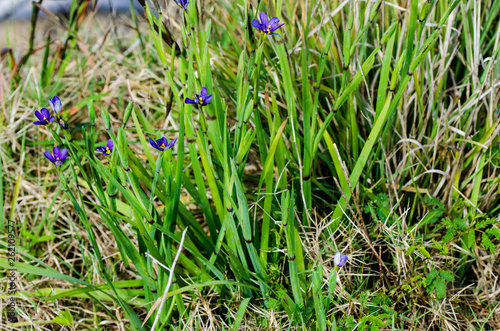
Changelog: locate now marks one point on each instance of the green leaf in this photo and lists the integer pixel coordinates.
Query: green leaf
(447, 275)
(241, 312)
(440, 286)
(431, 276)
(471, 238)
(424, 252)
(410, 249)
(495, 232)
(64, 318)
(488, 244)
(51, 273)
(272, 150)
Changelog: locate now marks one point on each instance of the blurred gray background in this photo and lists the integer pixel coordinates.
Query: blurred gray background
(21, 9)
(15, 18)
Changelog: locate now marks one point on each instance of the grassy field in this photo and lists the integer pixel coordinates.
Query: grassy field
(365, 128)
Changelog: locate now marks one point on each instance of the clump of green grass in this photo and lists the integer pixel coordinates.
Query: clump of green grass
(367, 128)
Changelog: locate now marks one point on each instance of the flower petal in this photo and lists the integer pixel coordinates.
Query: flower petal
(51, 118)
(56, 152)
(207, 99)
(171, 143)
(343, 260)
(190, 101)
(256, 24)
(39, 123)
(56, 104)
(63, 154)
(153, 143)
(276, 27)
(45, 112)
(263, 19)
(99, 149)
(49, 156)
(110, 144)
(339, 259)
(39, 115)
(273, 22)
(203, 92)
(162, 141)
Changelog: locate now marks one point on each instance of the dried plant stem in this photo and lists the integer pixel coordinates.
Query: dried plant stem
(170, 277)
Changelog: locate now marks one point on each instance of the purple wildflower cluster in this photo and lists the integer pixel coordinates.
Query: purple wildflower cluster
(44, 117)
(59, 156)
(265, 25)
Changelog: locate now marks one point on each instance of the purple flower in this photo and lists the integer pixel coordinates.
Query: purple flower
(339, 259)
(56, 104)
(106, 150)
(162, 144)
(201, 99)
(59, 155)
(267, 27)
(44, 117)
(182, 3)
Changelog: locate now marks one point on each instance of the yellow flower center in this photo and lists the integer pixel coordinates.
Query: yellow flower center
(108, 151)
(57, 158)
(162, 146)
(201, 100)
(45, 118)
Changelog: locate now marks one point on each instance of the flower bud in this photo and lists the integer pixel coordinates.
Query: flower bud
(105, 118)
(128, 112)
(339, 259)
(56, 104)
(63, 124)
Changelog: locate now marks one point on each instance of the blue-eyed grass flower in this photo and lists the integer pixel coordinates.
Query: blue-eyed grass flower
(266, 26)
(58, 156)
(43, 116)
(162, 144)
(106, 150)
(201, 99)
